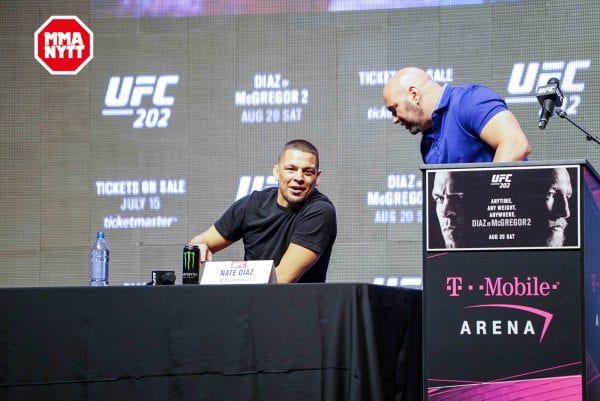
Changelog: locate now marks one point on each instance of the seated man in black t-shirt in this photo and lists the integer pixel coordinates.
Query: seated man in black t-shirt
(294, 224)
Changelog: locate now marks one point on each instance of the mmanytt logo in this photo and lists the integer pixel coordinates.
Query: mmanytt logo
(508, 327)
(526, 78)
(249, 183)
(189, 260)
(126, 96)
(501, 180)
(63, 45)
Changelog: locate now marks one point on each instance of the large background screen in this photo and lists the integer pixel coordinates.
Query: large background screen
(186, 104)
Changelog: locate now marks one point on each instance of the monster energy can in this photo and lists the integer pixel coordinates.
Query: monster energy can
(191, 264)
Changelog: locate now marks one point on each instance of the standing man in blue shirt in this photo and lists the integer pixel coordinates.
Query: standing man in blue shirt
(460, 124)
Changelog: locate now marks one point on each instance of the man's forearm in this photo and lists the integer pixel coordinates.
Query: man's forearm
(511, 152)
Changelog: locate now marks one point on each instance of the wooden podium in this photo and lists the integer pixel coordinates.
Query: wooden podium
(511, 282)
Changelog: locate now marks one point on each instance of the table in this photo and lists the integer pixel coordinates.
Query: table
(187, 342)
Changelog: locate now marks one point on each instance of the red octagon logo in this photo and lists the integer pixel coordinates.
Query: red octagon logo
(63, 45)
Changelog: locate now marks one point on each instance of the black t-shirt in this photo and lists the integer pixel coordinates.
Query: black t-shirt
(267, 228)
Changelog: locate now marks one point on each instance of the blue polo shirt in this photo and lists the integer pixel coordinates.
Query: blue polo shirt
(457, 121)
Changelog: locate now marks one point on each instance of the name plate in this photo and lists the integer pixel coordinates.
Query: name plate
(244, 272)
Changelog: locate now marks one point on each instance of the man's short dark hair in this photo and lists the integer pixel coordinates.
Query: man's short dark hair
(303, 146)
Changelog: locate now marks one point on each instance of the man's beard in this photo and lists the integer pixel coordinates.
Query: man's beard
(414, 129)
(294, 201)
(556, 237)
(413, 126)
(453, 238)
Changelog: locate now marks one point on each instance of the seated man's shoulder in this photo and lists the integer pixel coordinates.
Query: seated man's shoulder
(322, 200)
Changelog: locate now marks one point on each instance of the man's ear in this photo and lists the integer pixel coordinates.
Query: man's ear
(414, 95)
(276, 171)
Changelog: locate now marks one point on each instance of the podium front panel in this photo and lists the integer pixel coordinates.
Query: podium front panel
(592, 282)
(503, 295)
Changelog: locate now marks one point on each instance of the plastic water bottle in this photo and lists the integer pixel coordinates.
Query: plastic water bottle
(99, 256)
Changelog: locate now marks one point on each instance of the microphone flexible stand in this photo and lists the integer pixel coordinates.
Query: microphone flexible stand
(590, 137)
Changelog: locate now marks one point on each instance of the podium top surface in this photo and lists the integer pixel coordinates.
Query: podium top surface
(538, 163)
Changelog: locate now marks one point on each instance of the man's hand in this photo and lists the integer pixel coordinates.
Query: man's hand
(209, 242)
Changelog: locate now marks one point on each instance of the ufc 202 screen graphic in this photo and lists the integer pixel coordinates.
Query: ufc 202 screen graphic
(185, 106)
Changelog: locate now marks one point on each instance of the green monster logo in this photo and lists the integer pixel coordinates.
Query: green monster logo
(188, 260)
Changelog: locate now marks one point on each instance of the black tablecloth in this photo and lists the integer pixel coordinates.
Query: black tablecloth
(250, 342)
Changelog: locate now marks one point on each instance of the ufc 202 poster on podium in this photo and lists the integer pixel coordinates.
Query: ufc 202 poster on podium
(509, 208)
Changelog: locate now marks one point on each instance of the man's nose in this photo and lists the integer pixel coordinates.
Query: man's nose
(298, 175)
(449, 207)
(561, 207)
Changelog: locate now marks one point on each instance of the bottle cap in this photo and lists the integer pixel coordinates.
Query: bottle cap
(99, 234)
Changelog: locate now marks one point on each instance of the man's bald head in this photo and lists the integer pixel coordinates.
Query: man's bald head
(406, 77)
(411, 95)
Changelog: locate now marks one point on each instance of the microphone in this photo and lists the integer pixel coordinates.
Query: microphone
(549, 97)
